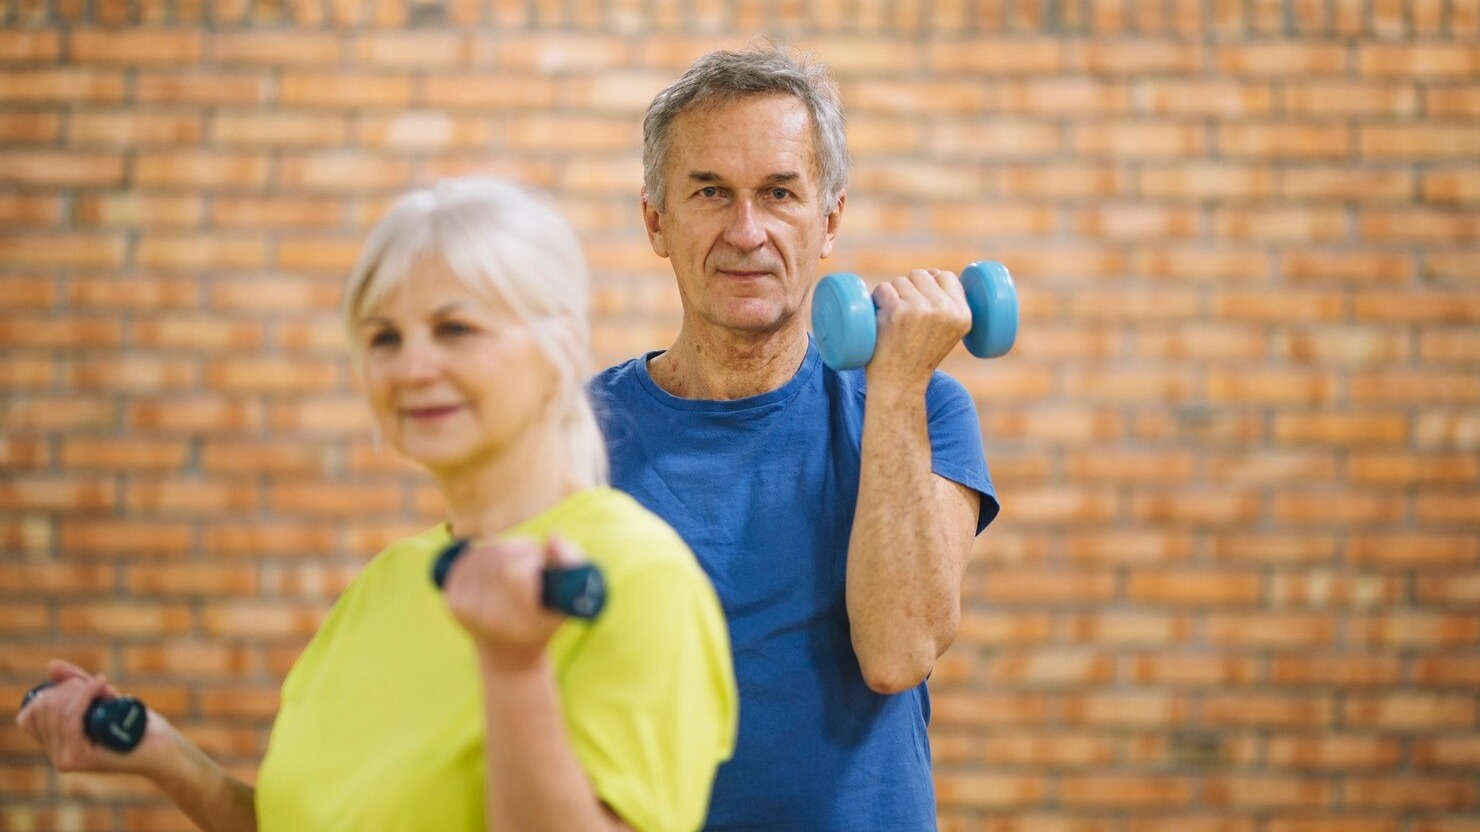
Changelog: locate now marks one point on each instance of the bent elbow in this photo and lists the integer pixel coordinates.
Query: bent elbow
(889, 677)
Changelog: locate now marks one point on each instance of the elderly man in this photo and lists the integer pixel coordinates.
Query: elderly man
(833, 510)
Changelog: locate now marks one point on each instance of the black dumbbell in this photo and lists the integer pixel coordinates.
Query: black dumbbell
(112, 723)
(578, 591)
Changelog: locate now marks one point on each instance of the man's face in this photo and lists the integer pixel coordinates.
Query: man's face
(744, 224)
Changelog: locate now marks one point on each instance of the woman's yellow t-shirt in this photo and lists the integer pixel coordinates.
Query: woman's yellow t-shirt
(381, 725)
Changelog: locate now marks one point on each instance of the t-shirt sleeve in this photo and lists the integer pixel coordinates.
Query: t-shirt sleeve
(649, 697)
(956, 443)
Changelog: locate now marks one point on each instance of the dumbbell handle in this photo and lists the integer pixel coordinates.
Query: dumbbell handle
(117, 724)
(579, 591)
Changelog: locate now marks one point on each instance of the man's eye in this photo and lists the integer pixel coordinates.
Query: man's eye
(709, 192)
(780, 193)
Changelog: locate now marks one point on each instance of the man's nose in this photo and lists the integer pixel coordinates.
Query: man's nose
(744, 230)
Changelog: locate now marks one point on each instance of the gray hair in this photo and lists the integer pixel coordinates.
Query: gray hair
(508, 245)
(764, 69)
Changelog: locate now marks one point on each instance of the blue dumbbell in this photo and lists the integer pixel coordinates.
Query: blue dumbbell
(577, 591)
(112, 723)
(844, 322)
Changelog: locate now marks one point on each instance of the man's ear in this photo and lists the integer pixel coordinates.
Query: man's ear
(834, 222)
(652, 220)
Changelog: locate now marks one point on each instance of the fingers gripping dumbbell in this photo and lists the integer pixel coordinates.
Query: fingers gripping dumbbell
(846, 327)
(112, 723)
(578, 591)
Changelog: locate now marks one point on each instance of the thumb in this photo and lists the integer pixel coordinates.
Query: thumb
(59, 671)
(562, 554)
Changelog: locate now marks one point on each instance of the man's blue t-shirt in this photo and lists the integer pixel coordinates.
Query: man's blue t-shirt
(763, 489)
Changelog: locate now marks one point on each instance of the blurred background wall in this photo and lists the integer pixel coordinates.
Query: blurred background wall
(1236, 583)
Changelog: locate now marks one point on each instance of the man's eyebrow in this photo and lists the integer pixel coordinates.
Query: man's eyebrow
(786, 177)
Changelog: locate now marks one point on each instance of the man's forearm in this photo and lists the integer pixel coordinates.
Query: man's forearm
(908, 546)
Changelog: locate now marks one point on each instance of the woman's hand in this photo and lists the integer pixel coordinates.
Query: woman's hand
(54, 718)
(494, 592)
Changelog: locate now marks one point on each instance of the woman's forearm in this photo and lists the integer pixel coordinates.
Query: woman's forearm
(203, 790)
(535, 781)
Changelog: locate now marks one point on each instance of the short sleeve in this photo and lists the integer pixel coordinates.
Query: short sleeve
(649, 697)
(956, 443)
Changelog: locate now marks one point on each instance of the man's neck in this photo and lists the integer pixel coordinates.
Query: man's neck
(723, 365)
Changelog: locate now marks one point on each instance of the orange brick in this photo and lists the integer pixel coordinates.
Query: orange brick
(198, 332)
(1412, 142)
(1050, 668)
(412, 50)
(134, 46)
(1267, 710)
(257, 457)
(1193, 587)
(1338, 507)
(124, 619)
(1267, 792)
(83, 453)
(1419, 224)
(60, 169)
(276, 48)
(30, 128)
(339, 416)
(344, 90)
(260, 620)
(1456, 590)
(989, 791)
(201, 170)
(1193, 671)
(133, 129)
(1452, 101)
(1406, 629)
(1142, 629)
(57, 579)
(1339, 429)
(1282, 140)
(1118, 791)
(270, 375)
(29, 45)
(47, 493)
(1409, 793)
(1138, 139)
(206, 88)
(269, 538)
(256, 129)
(998, 628)
(29, 209)
(1282, 630)
(1126, 709)
(1346, 98)
(138, 210)
(1427, 60)
(1283, 59)
(1136, 56)
(1205, 98)
(1447, 752)
(213, 579)
(205, 251)
(1317, 181)
(189, 660)
(1345, 671)
(1034, 749)
(1338, 752)
(978, 710)
(195, 415)
(1328, 589)
(1206, 180)
(1414, 550)
(242, 703)
(189, 496)
(69, 84)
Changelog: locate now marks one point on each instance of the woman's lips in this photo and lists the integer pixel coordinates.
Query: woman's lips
(432, 412)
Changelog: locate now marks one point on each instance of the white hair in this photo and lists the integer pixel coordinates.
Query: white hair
(509, 245)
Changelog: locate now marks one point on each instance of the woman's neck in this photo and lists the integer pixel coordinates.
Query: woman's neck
(488, 497)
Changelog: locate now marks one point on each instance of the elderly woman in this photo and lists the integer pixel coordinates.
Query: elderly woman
(479, 708)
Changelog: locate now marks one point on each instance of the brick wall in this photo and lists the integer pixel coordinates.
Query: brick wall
(1235, 587)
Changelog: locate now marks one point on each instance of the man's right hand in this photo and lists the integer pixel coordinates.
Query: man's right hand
(922, 317)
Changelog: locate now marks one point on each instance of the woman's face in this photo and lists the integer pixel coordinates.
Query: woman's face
(452, 380)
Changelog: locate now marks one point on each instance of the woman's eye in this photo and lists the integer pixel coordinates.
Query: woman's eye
(384, 338)
(453, 329)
